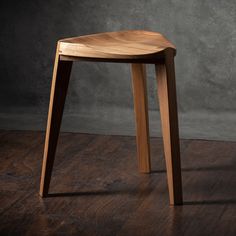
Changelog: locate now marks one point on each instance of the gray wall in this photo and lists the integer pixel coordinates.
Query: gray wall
(100, 98)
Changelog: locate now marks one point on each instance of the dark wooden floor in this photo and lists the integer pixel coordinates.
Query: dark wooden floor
(96, 189)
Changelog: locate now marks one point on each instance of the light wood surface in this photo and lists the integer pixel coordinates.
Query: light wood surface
(60, 80)
(165, 75)
(141, 114)
(133, 44)
(137, 48)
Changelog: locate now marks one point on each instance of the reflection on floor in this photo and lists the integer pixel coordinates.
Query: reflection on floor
(97, 190)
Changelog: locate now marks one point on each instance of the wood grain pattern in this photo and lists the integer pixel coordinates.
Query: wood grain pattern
(60, 81)
(141, 114)
(133, 46)
(98, 191)
(165, 75)
(123, 45)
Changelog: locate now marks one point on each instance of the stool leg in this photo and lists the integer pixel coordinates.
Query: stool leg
(141, 113)
(60, 80)
(169, 118)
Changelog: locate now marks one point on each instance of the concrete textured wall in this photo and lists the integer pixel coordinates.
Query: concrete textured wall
(100, 96)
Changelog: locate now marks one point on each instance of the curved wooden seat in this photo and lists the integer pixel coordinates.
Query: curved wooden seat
(123, 45)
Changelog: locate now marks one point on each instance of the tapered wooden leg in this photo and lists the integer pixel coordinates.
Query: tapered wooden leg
(61, 75)
(141, 113)
(169, 118)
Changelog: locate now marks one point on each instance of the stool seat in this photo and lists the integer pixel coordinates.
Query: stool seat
(121, 45)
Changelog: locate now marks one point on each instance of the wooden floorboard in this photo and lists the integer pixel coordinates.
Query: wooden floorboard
(96, 188)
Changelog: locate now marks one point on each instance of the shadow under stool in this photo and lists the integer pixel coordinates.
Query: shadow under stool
(138, 48)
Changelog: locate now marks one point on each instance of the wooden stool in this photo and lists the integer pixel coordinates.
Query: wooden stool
(138, 48)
